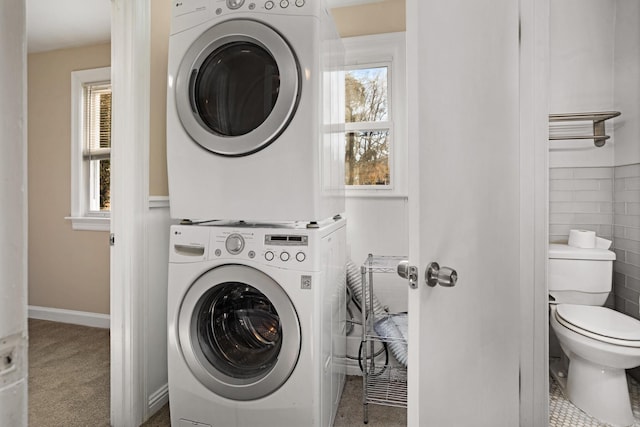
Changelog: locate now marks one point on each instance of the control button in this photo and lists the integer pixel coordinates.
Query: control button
(252, 6)
(234, 244)
(234, 4)
(284, 4)
(218, 11)
(300, 256)
(268, 5)
(252, 254)
(284, 256)
(299, 3)
(269, 256)
(218, 252)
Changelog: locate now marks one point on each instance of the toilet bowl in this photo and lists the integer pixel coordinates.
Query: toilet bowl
(600, 344)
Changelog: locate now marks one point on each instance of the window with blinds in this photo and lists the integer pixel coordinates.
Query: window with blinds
(97, 144)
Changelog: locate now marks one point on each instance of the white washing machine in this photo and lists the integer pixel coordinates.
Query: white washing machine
(255, 111)
(256, 324)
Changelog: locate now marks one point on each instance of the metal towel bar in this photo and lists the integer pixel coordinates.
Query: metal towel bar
(598, 119)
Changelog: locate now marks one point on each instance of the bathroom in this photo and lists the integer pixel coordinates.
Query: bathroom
(594, 57)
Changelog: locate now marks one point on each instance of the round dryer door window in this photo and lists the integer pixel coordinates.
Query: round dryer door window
(239, 332)
(237, 87)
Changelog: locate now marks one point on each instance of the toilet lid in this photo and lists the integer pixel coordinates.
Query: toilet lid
(600, 323)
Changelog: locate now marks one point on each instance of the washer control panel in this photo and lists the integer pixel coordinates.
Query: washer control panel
(287, 248)
(279, 249)
(222, 7)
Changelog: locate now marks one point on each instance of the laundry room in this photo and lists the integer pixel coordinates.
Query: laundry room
(432, 174)
(69, 247)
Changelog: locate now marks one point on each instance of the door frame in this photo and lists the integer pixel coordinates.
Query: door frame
(130, 76)
(534, 207)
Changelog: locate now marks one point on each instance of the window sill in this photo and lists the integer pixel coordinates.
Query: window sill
(89, 223)
(374, 193)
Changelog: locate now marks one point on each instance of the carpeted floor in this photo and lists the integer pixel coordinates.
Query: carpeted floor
(69, 383)
(68, 375)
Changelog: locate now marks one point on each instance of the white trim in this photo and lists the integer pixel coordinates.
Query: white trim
(84, 318)
(80, 220)
(89, 223)
(158, 399)
(385, 49)
(158, 202)
(130, 65)
(534, 157)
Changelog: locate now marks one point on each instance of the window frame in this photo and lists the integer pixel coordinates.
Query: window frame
(373, 51)
(81, 217)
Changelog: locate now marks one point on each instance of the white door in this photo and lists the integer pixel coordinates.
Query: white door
(464, 211)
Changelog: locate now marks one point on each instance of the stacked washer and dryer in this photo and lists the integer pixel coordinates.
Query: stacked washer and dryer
(255, 155)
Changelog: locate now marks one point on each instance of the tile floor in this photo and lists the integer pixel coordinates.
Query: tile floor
(562, 413)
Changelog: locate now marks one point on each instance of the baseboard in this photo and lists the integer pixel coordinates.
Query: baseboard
(158, 399)
(84, 318)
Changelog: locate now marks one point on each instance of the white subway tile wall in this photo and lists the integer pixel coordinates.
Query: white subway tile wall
(626, 233)
(580, 198)
(607, 201)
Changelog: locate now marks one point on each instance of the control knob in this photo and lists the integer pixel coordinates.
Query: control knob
(234, 244)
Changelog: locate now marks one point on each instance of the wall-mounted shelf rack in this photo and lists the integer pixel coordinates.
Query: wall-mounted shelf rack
(599, 137)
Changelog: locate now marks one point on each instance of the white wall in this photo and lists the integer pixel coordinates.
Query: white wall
(13, 215)
(378, 226)
(581, 74)
(155, 295)
(627, 82)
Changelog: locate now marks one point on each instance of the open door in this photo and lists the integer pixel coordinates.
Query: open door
(464, 200)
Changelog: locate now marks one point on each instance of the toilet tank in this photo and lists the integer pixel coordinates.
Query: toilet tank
(579, 276)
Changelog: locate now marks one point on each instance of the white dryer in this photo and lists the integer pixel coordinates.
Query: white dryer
(256, 324)
(255, 111)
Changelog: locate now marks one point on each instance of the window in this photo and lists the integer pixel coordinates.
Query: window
(91, 149)
(375, 123)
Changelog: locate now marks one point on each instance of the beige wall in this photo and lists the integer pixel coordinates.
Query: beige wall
(160, 23)
(384, 17)
(67, 269)
(387, 16)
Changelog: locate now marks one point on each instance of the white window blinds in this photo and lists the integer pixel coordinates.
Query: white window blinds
(97, 126)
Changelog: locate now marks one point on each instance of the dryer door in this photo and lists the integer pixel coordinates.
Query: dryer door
(239, 332)
(237, 87)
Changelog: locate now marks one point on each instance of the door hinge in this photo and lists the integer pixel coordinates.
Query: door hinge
(112, 239)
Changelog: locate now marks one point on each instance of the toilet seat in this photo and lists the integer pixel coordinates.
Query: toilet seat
(600, 323)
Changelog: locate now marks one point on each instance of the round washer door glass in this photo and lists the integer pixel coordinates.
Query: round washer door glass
(237, 87)
(239, 332)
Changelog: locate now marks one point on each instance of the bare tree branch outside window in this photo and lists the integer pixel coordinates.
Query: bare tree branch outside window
(367, 148)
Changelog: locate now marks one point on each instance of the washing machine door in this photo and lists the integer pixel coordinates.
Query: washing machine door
(237, 87)
(239, 332)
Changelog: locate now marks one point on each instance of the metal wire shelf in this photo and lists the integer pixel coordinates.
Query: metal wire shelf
(383, 384)
(388, 388)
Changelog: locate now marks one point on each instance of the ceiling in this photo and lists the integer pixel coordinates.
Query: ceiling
(62, 24)
(67, 23)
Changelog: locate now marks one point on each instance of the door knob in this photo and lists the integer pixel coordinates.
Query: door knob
(443, 276)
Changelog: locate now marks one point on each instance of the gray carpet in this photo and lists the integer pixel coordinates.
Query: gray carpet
(69, 382)
(68, 375)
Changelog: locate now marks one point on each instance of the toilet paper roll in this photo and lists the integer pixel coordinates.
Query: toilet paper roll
(582, 239)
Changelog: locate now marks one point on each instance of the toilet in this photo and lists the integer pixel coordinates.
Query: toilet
(599, 343)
